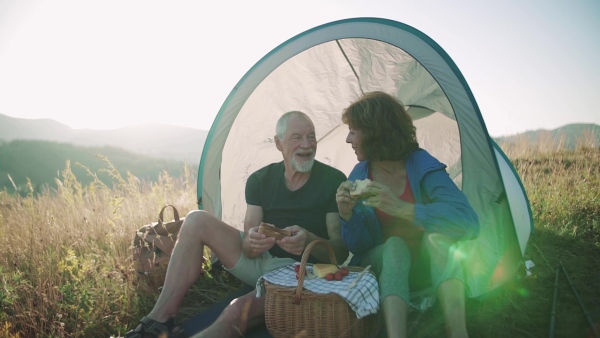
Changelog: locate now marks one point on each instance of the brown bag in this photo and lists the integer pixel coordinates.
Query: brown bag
(152, 247)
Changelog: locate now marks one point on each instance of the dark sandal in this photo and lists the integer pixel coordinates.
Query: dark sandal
(150, 328)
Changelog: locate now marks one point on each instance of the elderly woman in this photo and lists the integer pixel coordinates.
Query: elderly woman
(406, 220)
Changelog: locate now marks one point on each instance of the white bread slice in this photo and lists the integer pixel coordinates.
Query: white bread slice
(360, 186)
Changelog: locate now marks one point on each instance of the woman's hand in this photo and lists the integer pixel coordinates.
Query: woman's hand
(381, 197)
(344, 201)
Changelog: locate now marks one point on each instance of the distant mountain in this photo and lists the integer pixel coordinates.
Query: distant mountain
(566, 137)
(155, 140)
(42, 162)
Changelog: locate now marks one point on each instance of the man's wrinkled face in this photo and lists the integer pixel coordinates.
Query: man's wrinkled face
(299, 144)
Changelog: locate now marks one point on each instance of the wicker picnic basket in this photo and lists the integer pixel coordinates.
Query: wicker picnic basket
(295, 312)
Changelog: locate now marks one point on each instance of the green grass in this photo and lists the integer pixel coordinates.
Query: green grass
(564, 192)
(66, 269)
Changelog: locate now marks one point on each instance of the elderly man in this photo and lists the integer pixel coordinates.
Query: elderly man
(297, 194)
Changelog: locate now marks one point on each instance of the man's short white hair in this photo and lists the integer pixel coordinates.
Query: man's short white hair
(282, 123)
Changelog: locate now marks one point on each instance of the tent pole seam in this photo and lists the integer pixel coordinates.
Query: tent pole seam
(350, 64)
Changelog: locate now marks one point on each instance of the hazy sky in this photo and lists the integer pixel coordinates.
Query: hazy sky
(105, 64)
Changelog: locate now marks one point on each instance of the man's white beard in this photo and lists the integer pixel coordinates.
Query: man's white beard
(303, 167)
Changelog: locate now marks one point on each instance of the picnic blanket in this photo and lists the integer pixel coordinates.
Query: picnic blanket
(205, 318)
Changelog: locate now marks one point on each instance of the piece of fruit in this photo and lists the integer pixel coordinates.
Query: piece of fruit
(338, 276)
(330, 276)
(321, 270)
(344, 272)
(297, 268)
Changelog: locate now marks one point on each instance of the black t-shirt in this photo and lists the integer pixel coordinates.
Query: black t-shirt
(305, 207)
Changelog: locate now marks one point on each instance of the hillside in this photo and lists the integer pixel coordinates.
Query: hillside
(155, 140)
(567, 137)
(42, 161)
(181, 143)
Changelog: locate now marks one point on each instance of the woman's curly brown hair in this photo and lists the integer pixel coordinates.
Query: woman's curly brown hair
(388, 130)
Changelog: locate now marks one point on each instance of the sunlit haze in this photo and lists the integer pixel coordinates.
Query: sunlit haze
(108, 64)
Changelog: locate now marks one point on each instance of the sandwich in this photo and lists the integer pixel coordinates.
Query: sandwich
(359, 187)
(270, 230)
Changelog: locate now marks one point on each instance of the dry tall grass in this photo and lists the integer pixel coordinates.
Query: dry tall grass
(65, 268)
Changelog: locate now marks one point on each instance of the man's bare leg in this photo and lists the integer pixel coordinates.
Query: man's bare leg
(452, 299)
(240, 315)
(185, 265)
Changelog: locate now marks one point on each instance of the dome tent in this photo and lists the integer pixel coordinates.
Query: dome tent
(320, 72)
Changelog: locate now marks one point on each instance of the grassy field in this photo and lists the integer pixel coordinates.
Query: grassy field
(66, 269)
(564, 192)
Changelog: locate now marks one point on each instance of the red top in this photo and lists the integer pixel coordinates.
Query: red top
(394, 226)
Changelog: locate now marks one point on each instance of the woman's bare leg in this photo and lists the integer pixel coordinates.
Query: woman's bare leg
(452, 299)
(395, 314)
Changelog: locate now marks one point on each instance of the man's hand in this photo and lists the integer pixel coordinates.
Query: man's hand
(258, 243)
(295, 243)
(344, 200)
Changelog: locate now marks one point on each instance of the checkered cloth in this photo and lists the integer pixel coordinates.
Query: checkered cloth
(363, 298)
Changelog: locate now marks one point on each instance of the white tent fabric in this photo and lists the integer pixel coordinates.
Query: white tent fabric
(519, 204)
(320, 72)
